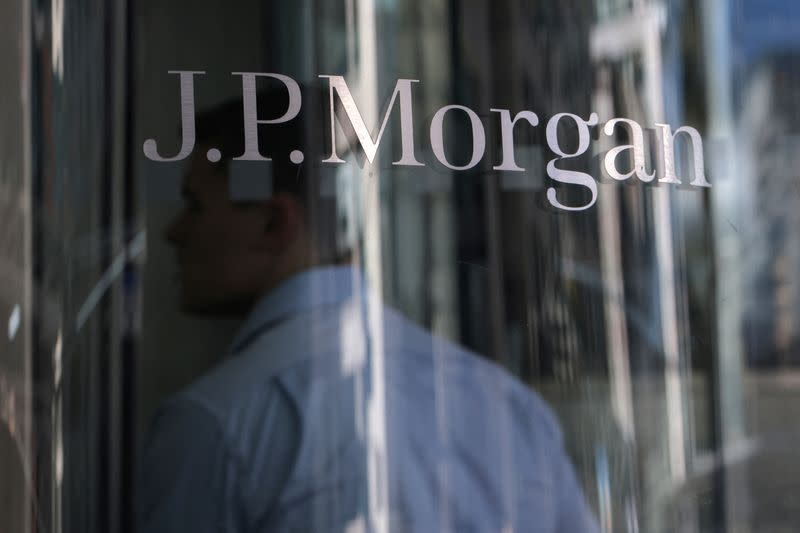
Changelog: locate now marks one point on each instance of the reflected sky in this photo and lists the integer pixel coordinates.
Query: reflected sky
(764, 27)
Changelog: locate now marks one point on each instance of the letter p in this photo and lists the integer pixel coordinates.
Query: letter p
(251, 120)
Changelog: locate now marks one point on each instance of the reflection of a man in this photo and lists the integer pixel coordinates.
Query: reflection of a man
(287, 433)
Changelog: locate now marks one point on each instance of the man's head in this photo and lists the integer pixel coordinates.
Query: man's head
(232, 250)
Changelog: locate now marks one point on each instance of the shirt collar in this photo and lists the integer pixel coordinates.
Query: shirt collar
(301, 293)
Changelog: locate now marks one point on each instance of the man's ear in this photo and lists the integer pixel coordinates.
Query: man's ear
(282, 216)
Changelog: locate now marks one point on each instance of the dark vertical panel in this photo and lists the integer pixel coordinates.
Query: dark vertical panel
(79, 97)
(16, 500)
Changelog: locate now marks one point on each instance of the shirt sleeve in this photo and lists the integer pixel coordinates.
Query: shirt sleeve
(185, 473)
(573, 512)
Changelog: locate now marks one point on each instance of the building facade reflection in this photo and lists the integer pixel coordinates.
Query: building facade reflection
(659, 324)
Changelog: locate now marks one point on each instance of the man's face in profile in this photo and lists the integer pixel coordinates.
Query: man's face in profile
(220, 245)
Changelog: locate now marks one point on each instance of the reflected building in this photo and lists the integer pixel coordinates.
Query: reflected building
(661, 325)
(769, 135)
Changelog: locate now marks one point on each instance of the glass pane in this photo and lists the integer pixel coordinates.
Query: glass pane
(401, 265)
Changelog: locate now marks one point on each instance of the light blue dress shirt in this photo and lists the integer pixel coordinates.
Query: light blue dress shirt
(334, 413)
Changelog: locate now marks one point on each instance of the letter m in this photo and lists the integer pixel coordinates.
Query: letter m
(403, 88)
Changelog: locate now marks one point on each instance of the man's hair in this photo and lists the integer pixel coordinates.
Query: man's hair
(222, 127)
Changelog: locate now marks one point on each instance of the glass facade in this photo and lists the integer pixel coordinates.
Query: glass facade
(399, 265)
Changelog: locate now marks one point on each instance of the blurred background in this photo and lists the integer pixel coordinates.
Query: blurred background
(661, 324)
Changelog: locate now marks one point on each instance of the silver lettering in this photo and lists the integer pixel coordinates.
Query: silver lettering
(507, 136)
(668, 154)
(437, 137)
(251, 120)
(187, 120)
(637, 136)
(403, 87)
(570, 176)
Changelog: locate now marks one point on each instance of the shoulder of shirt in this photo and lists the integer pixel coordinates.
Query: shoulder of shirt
(268, 355)
(252, 379)
(415, 342)
(234, 391)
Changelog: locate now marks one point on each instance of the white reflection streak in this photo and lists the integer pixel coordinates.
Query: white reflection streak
(666, 272)
(352, 346)
(377, 464)
(14, 321)
(57, 361)
(641, 33)
(614, 299)
(356, 526)
(134, 248)
(57, 37)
